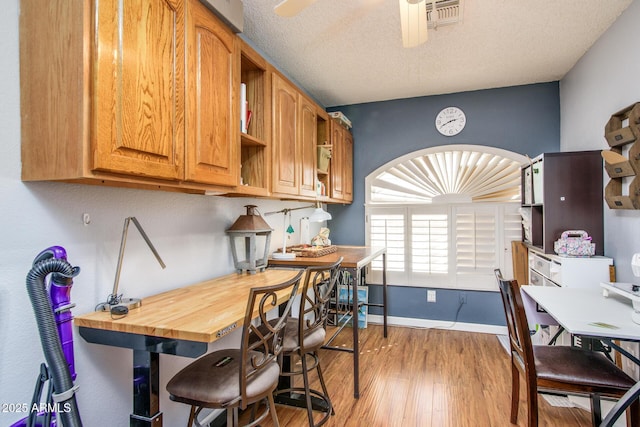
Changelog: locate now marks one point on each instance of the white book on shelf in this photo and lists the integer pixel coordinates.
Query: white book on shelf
(243, 107)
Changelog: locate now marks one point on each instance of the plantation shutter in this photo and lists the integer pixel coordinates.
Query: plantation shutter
(447, 216)
(476, 240)
(430, 243)
(479, 176)
(387, 228)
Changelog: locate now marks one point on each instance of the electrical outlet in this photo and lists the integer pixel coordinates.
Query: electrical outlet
(431, 295)
(463, 297)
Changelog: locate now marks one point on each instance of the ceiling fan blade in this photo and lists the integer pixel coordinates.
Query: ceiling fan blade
(289, 8)
(413, 20)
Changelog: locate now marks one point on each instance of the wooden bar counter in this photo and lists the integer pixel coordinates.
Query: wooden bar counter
(181, 322)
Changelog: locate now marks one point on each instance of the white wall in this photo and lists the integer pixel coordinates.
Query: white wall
(187, 230)
(604, 81)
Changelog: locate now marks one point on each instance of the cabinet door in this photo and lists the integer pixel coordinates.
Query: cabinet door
(307, 142)
(138, 87)
(337, 160)
(347, 167)
(211, 151)
(285, 116)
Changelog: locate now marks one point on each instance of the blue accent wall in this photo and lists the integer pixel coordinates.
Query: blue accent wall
(523, 119)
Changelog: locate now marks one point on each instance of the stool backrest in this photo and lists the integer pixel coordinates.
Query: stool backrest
(315, 297)
(262, 343)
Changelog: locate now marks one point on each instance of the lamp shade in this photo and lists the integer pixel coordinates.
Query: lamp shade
(250, 222)
(319, 215)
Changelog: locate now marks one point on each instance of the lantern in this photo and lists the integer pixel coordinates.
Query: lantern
(245, 234)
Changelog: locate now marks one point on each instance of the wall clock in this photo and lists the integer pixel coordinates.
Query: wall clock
(450, 121)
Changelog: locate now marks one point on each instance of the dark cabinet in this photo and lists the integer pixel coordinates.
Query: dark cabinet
(563, 191)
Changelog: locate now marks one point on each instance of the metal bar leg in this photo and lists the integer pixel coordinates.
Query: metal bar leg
(356, 344)
(596, 411)
(146, 399)
(384, 293)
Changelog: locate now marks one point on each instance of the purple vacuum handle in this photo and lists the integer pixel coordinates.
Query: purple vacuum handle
(57, 252)
(60, 296)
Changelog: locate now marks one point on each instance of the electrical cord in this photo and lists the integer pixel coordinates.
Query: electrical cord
(115, 310)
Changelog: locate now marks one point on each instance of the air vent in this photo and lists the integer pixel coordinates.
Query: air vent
(447, 12)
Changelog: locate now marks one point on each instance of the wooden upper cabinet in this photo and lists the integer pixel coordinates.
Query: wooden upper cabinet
(212, 112)
(146, 93)
(337, 164)
(307, 143)
(294, 140)
(341, 163)
(138, 103)
(106, 96)
(347, 167)
(285, 128)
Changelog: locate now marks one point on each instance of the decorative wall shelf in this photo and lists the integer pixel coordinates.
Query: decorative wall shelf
(623, 128)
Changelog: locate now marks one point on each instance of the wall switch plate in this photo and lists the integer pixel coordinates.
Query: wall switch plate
(431, 296)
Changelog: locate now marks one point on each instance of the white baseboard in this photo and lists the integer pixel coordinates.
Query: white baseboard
(438, 324)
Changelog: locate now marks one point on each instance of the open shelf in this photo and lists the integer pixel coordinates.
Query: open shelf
(254, 144)
(323, 176)
(250, 141)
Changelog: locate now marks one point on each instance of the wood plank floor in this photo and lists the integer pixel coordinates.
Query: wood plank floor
(425, 377)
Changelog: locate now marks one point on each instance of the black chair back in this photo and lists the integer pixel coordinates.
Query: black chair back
(315, 299)
(262, 342)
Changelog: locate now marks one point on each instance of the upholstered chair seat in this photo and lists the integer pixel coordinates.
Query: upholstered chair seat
(211, 383)
(233, 379)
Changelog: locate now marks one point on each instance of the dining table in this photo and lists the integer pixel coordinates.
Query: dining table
(588, 313)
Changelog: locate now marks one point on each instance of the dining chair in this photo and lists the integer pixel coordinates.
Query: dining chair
(556, 369)
(305, 334)
(235, 378)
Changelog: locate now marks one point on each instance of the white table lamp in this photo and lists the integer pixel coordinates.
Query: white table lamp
(318, 215)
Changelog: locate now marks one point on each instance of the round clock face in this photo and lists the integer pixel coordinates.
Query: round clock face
(450, 121)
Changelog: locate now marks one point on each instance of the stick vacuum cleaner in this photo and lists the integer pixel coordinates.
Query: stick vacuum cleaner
(53, 317)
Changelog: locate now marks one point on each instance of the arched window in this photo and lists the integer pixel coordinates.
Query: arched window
(447, 216)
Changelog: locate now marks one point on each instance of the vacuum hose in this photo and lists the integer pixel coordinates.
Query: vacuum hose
(62, 275)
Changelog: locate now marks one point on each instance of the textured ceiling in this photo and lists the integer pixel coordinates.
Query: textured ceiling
(350, 51)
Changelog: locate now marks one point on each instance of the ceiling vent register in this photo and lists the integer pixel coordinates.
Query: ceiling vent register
(447, 12)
